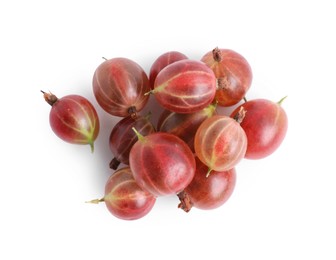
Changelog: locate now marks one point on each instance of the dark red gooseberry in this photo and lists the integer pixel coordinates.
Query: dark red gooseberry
(162, 163)
(124, 198)
(119, 86)
(73, 119)
(207, 192)
(162, 61)
(184, 125)
(122, 137)
(265, 125)
(185, 86)
(220, 143)
(233, 73)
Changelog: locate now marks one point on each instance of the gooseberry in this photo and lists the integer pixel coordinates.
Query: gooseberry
(124, 198)
(207, 192)
(185, 86)
(220, 142)
(162, 163)
(265, 125)
(163, 61)
(73, 119)
(184, 125)
(119, 85)
(233, 73)
(122, 137)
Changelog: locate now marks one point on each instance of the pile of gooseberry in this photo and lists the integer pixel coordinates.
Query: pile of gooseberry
(193, 149)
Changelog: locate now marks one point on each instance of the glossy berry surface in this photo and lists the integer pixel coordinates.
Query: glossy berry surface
(162, 163)
(220, 143)
(119, 85)
(265, 125)
(233, 73)
(185, 86)
(208, 192)
(73, 119)
(122, 137)
(184, 125)
(163, 61)
(124, 198)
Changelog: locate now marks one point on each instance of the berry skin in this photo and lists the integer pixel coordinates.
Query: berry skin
(162, 163)
(73, 119)
(265, 125)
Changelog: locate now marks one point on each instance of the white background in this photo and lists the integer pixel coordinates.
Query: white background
(283, 206)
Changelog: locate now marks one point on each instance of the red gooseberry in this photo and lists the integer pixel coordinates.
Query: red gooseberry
(162, 163)
(73, 119)
(265, 125)
(185, 86)
(220, 143)
(119, 85)
(163, 61)
(124, 198)
(184, 125)
(122, 137)
(233, 73)
(207, 192)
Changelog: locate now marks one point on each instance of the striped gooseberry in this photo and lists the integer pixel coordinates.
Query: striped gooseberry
(119, 85)
(163, 61)
(220, 142)
(124, 198)
(73, 119)
(185, 86)
(265, 125)
(207, 192)
(184, 125)
(233, 73)
(162, 163)
(122, 137)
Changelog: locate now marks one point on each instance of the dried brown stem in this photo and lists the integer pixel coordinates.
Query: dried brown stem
(114, 164)
(49, 98)
(132, 112)
(217, 54)
(239, 117)
(186, 204)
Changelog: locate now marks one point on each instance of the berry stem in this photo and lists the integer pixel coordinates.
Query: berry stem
(208, 172)
(49, 98)
(132, 112)
(217, 54)
(281, 100)
(149, 92)
(186, 204)
(141, 138)
(91, 146)
(239, 116)
(210, 110)
(114, 164)
(95, 201)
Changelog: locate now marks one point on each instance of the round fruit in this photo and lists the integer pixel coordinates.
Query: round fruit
(119, 86)
(163, 61)
(122, 138)
(233, 73)
(185, 86)
(73, 119)
(220, 143)
(162, 163)
(265, 125)
(184, 125)
(207, 192)
(124, 198)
